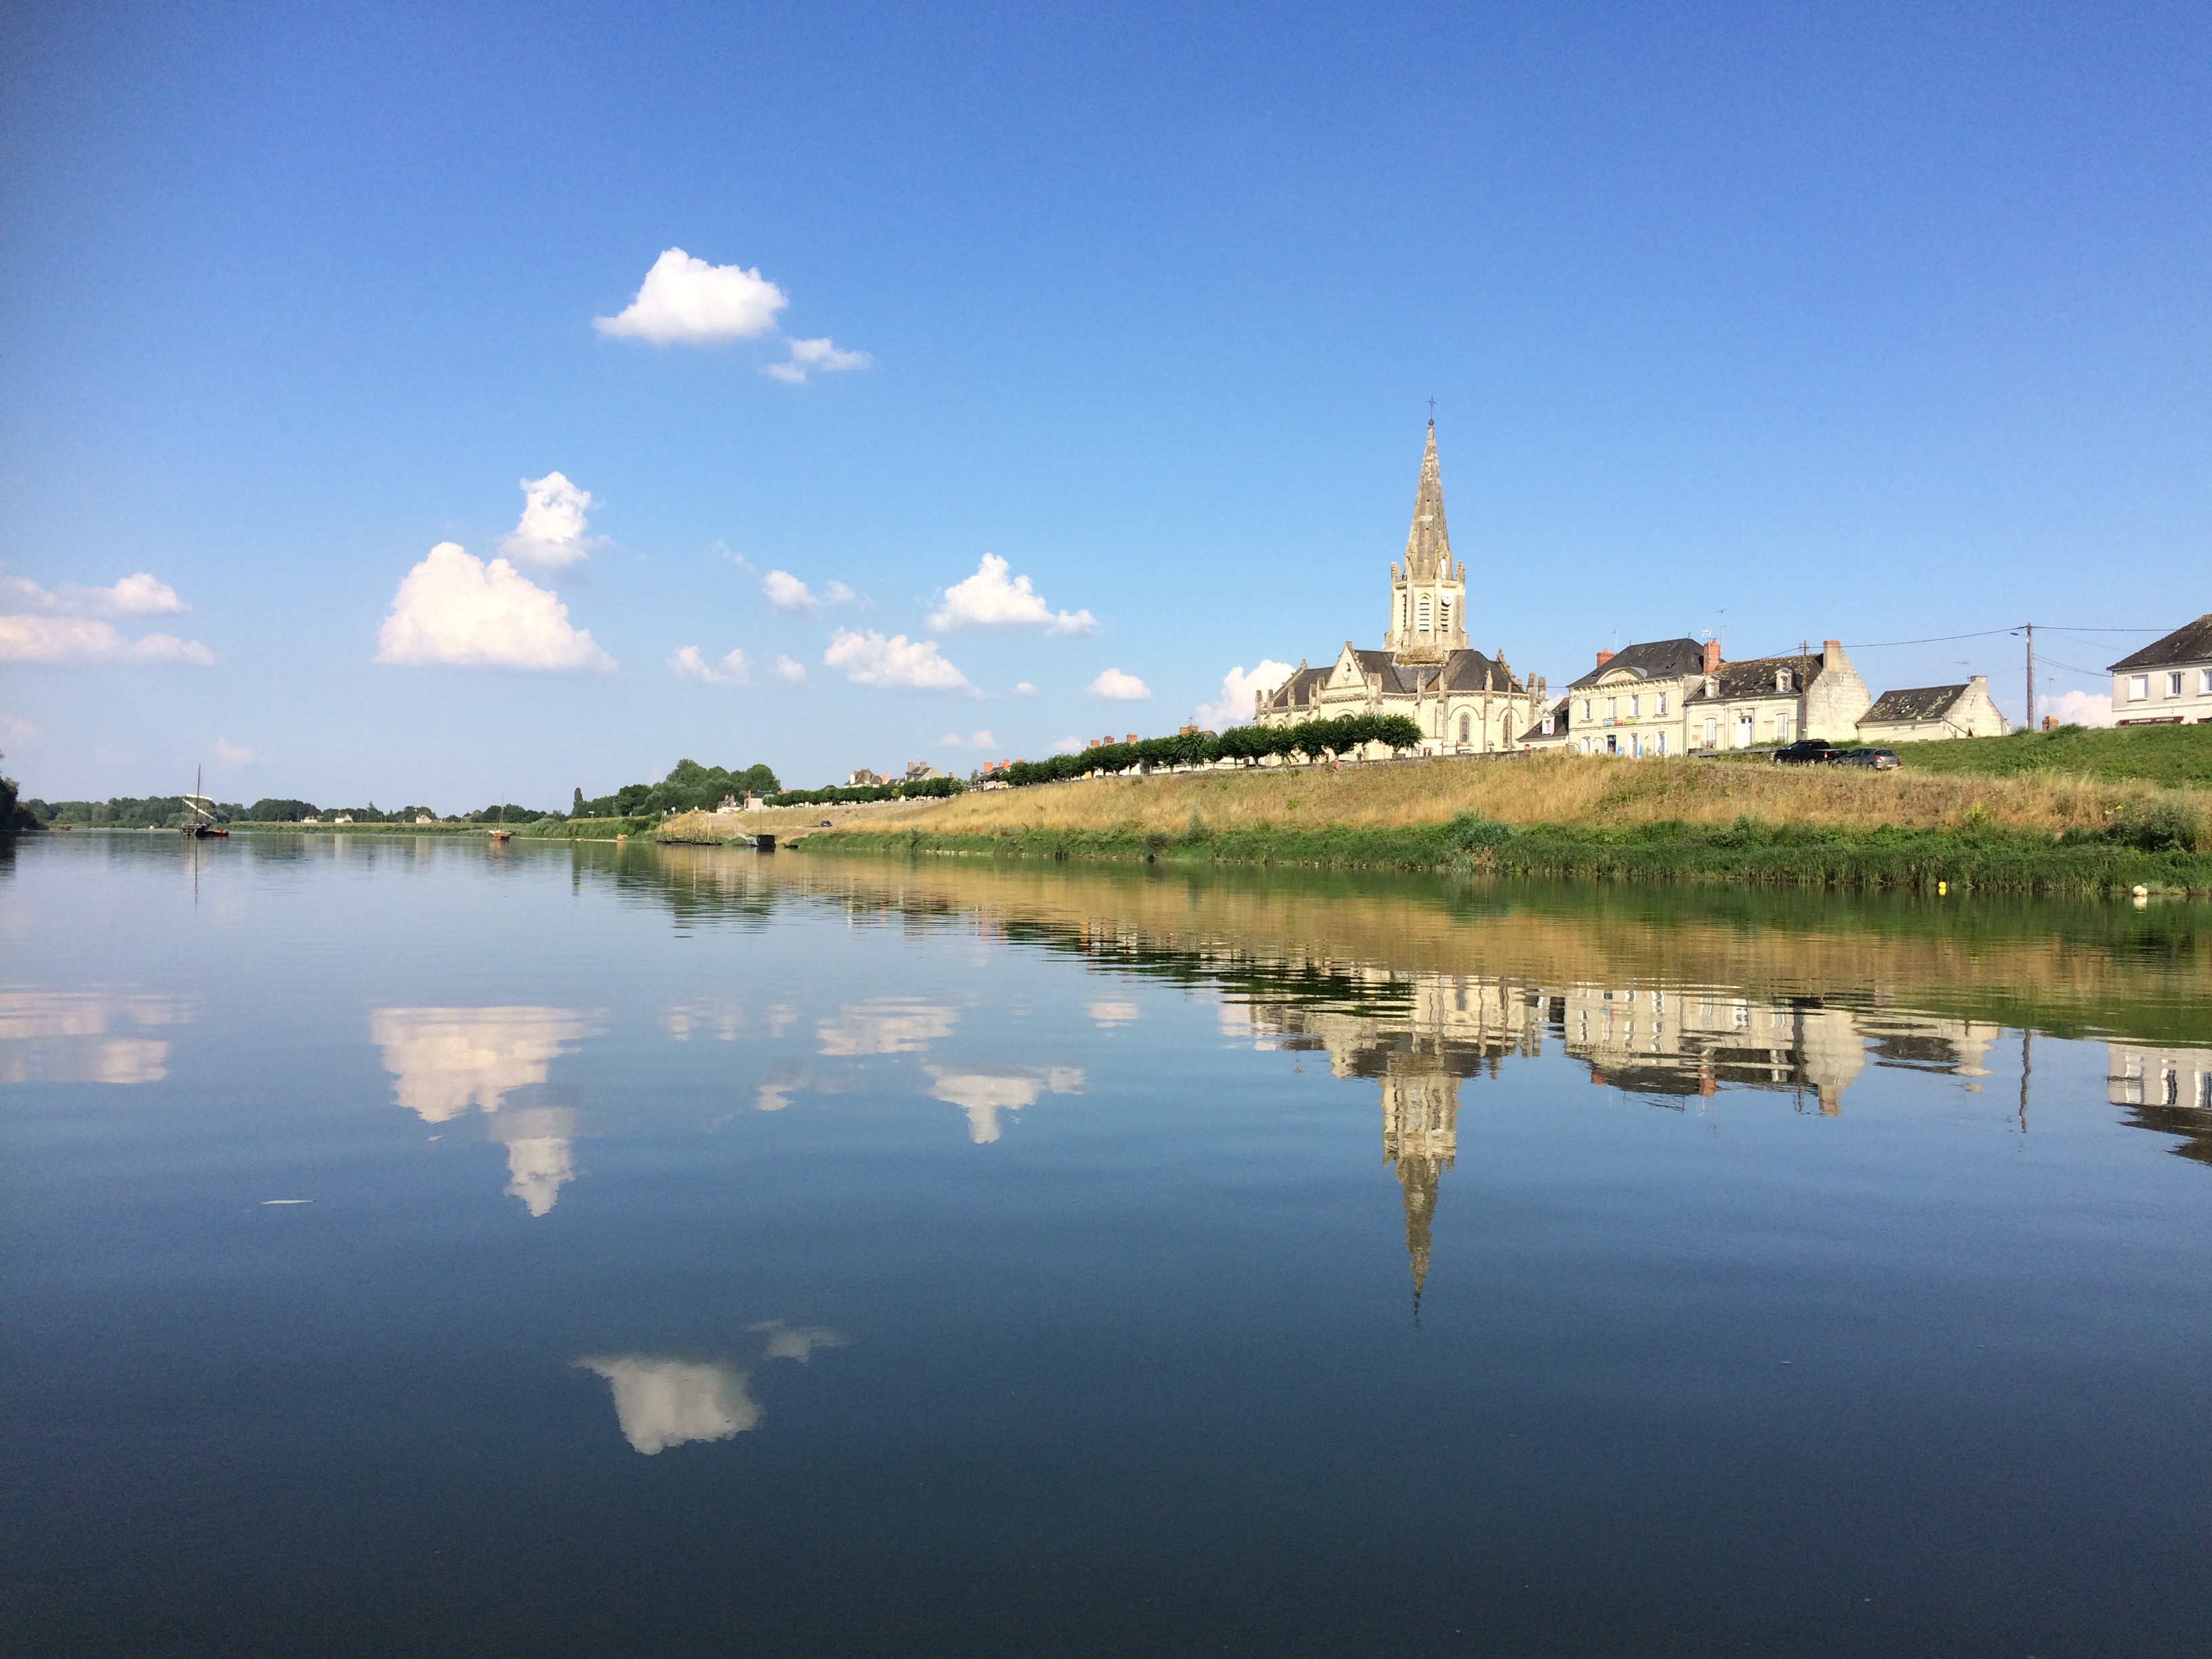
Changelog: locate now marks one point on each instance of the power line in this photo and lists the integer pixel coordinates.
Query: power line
(1939, 639)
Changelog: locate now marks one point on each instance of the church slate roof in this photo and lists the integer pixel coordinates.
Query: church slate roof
(1301, 687)
(1654, 660)
(1461, 670)
(2192, 642)
(1922, 703)
(1755, 678)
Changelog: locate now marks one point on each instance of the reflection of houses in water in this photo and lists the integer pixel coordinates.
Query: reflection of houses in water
(2166, 1089)
(1419, 1037)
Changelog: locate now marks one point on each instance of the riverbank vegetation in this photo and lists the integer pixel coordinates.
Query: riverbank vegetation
(1595, 815)
(2176, 755)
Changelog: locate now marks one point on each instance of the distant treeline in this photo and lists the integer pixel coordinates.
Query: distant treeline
(170, 812)
(846, 795)
(1307, 740)
(687, 787)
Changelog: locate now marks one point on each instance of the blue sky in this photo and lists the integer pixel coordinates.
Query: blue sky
(1789, 322)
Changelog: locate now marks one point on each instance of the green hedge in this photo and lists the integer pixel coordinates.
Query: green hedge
(1307, 740)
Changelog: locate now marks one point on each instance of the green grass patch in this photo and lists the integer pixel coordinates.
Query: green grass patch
(2171, 754)
(1749, 851)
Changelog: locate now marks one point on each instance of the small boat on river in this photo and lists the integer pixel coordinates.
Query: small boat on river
(202, 825)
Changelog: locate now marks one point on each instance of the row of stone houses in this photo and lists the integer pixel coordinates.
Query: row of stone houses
(1663, 697)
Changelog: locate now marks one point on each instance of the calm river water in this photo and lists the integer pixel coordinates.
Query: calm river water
(408, 1247)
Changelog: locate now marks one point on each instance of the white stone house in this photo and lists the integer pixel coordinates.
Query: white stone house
(1463, 701)
(2168, 681)
(1677, 696)
(1925, 712)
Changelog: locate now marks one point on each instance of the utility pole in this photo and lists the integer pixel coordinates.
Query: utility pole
(2031, 676)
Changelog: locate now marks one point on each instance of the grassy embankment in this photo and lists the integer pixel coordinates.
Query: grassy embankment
(1562, 815)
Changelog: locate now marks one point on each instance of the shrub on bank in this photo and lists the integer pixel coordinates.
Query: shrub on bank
(1307, 741)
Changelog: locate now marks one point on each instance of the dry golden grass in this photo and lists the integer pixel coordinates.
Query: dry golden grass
(1564, 789)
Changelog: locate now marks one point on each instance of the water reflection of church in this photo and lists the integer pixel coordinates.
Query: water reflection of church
(1419, 1037)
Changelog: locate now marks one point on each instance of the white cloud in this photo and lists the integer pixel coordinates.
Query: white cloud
(787, 592)
(227, 753)
(807, 355)
(453, 608)
(80, 639)
(134, 595)
(790, 669)
(551, 529)
(662, 1402)
(1025, 689)
(885, 1025)
(869, 658)
(980, 740)
(988, 599)
(984, 1095)
(1117, 687)
(687, 302)
(66, 625)
(2080, 707)
(1068, 746)
(1234, 705)
(720, 549)
(688, 665)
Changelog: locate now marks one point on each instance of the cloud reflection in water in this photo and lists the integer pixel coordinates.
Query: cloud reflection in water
(70, 1036)
(984, 1095)
(661, 1401)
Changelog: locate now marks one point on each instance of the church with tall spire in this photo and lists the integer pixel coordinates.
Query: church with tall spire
(1463, 700)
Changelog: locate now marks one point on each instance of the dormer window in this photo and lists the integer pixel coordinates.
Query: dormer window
(1782, 680)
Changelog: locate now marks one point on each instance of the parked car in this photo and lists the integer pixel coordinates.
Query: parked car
(1875, 760)
(1807, 751)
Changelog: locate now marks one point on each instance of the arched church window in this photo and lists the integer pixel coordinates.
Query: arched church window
(1463, 728)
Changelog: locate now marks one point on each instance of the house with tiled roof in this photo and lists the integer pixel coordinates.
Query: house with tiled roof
(1679, 697)
(2169, 681)
(1464, 702)
(1923, 714)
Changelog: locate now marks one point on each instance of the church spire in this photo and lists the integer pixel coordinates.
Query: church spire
(1428, 545)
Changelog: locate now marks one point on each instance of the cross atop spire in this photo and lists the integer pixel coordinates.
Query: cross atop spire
(1428, 546)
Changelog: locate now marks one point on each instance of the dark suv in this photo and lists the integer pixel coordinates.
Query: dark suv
(1807, 751)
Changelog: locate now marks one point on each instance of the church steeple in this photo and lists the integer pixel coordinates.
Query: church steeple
(1428, 592)
(1428, 545)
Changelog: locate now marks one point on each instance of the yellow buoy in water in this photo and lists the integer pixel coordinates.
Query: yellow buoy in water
(1942, 888)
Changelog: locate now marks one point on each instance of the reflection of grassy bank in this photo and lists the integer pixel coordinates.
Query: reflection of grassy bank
(1748, 850)
(537, 829)
(2072, 967)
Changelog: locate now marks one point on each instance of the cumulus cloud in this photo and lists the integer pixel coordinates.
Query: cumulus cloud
(454, 608)
(68, 623)
(1234, 705)
(1118, 687)
(885, 1025)
(81, 639)
(2080, 707)
(788, 592)
(551, 529)
(791, 669)
(1068, 746)
(989, 599)
(687, 302)
(869, 658)
(227, 753)
(1025, 689)
(980, 740)
(983, 1094)
(821, 355)
(662, 1402)
(731, 670)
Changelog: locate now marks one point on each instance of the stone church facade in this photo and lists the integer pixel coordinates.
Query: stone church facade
(1463, 701)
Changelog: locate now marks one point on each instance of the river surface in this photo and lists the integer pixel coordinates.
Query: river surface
(408, 1246)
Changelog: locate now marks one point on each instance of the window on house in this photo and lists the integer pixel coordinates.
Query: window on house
(2173, 685)
(2204, 682)
(2138, 687)
(1612, 709)
(1712, 734)
(1586, 707)
(1781, 728)
(1635, 707)
(1662, 703)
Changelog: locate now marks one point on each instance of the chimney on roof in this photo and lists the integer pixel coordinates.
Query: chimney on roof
(1603, 658)
(1832, 653)
(1132, 736)
(1712, 656)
